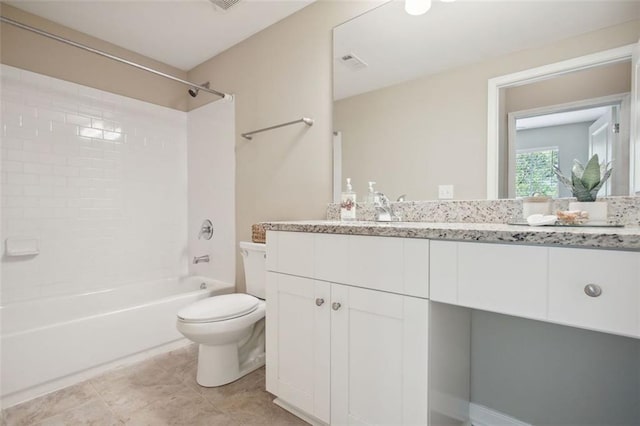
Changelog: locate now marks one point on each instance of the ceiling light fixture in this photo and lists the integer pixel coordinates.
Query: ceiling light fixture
(420, 7)
(417, 7)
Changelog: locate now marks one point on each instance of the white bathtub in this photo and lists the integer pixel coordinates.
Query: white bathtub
(50, 343)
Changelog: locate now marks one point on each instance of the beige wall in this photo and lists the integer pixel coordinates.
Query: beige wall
(279, 75)
(442, 120)
(26, 50)
(587, 84)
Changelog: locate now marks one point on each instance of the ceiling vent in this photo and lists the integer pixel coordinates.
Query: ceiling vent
(353, 62)
(224, 4)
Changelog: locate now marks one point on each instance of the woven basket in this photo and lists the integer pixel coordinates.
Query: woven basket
(258, 233)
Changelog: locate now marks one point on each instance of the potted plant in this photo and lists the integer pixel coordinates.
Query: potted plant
(585, 183)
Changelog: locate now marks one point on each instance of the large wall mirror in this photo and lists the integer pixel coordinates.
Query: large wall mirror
(413, 96)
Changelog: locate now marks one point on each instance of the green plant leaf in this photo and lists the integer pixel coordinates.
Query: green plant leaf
(579, 190)
(594, 191)
(577, 169)
(591, 176)
(562, 178)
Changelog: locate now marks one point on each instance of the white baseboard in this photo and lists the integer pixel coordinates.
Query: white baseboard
(479, 415)
(36, 391)
(298, 413)
(448, 405)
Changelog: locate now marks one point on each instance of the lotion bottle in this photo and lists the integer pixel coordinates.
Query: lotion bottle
(348, 203)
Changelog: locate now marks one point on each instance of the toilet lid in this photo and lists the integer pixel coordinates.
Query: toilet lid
(219, 308)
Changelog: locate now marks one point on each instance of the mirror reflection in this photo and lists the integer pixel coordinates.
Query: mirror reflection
(584, 118)
(410, 95)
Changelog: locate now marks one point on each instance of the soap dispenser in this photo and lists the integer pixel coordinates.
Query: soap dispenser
(348, 203)
(373, 198)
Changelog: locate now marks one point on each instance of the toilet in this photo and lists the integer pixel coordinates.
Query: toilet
(230, 328)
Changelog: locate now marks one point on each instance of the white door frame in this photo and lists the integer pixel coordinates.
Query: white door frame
(604, 125)
(634, 123)
(619, 54)
(337, 165)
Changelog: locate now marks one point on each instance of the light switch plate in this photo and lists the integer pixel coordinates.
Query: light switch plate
(445, 192)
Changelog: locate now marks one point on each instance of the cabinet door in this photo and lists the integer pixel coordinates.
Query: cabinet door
(298, 351)
(378, 357)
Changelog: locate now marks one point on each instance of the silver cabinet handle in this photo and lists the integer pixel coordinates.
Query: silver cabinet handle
(335, 306)
(592, 290)
(319, 302)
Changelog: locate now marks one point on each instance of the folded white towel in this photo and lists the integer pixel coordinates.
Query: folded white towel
(542, 219)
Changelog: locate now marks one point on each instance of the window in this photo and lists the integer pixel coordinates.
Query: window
(534, 172)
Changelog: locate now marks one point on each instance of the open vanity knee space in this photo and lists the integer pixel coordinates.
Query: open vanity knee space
(413, 323)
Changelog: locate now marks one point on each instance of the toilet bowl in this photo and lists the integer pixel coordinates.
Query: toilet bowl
(230, 328)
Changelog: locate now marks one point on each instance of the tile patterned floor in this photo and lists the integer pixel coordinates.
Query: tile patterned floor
(157, 392)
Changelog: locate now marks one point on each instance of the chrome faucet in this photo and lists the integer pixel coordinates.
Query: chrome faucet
(199, 259)
(384, 210)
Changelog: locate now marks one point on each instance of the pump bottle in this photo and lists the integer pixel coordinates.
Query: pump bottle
(348, 203)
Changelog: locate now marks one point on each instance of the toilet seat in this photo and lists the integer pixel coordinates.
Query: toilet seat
(219, 308)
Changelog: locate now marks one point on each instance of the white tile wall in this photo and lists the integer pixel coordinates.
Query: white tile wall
(99, 179)
(212, 174)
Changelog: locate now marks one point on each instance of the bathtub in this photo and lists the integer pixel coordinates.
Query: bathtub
(51, 343)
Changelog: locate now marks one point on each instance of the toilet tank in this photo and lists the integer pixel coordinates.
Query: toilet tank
(255, 268)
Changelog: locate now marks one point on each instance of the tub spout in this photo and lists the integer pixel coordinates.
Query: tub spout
(199, 259)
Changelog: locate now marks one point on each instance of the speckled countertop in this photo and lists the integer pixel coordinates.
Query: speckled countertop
(627, 238)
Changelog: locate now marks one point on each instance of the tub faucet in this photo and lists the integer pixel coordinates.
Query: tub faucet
(384, 211)
(199, 259)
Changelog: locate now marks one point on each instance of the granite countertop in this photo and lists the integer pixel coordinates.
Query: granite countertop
(626, 238)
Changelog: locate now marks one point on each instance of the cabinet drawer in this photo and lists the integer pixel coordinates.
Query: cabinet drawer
(501, 278)
(616, 273)
(290, 253)
(397, 265)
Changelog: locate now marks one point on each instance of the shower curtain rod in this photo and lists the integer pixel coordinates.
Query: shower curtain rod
(110, 56)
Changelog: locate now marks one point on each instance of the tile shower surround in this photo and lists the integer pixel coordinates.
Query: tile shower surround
(622, 210)
(99, 179)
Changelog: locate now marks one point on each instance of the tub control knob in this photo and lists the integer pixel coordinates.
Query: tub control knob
(335, 306)
(592, 290)
(319, 302)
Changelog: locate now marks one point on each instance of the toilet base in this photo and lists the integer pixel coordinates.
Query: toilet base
(222, 364)
(218, 365)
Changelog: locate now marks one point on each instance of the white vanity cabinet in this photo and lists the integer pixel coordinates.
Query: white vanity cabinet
(345, 343)
(387, 330)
